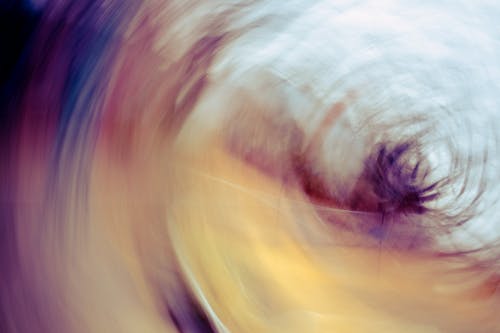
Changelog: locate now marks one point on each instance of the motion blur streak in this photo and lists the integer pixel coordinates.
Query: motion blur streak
(249, 166)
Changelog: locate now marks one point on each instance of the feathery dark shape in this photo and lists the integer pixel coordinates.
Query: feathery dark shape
(399, 180)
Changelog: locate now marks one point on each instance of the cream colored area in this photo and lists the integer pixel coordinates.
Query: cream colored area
(236, 235)
(235, 232)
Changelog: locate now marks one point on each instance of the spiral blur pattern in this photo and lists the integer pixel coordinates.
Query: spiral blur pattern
(249, 166)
